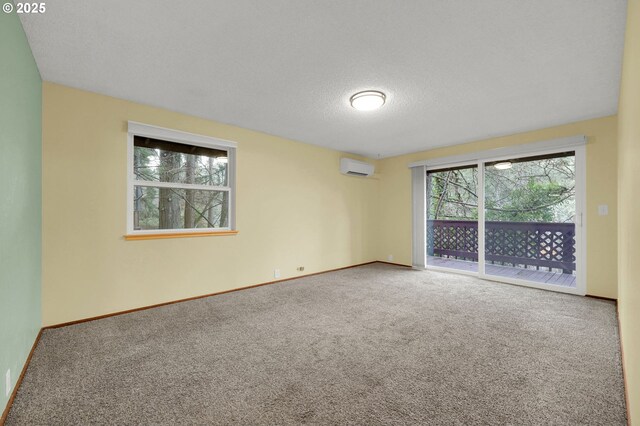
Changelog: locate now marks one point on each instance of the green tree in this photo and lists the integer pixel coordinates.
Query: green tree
(169, 201)
(540, 190)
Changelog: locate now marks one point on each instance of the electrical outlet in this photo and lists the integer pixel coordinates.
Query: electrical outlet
(7, 389)
(390, 258)
(300, 268)
(276, 273)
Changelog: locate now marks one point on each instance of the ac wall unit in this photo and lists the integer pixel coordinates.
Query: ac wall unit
(355, 167)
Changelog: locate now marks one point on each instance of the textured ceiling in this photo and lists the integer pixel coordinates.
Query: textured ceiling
(453, 71)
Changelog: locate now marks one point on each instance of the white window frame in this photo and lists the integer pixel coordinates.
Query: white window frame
(576, 144)
(161, 133)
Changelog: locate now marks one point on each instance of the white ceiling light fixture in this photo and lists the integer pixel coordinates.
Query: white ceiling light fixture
(368, 100)
(503, 165)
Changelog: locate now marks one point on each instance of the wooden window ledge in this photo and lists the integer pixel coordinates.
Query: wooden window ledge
(158, 236)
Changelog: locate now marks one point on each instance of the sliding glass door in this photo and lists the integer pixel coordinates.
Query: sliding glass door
(530, 211)
(452, 218)
(516, 219)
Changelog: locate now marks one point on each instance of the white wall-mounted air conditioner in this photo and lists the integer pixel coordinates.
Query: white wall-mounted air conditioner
(355, 167)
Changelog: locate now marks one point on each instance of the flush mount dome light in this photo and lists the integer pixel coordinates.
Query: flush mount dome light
(503, 165)
(368, 100)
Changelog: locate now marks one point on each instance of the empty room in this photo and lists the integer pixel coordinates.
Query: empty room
(278, 212)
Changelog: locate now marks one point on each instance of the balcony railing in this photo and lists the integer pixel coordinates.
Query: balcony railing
(519, 244)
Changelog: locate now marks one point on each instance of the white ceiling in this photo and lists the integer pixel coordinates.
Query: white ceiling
(453, 71)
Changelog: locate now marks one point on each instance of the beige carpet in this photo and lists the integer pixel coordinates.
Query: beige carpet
(370, 345)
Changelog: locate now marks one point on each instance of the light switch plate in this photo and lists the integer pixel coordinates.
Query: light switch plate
(603, 210)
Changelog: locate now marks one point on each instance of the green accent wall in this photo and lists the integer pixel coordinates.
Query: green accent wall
(20, 200)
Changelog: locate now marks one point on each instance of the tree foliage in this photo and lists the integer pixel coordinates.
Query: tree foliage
(539, 190)
(176, 208)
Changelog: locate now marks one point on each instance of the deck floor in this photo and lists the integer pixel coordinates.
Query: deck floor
(555, 278)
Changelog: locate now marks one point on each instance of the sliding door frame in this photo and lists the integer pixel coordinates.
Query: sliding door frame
(575, 144)
(474, 163)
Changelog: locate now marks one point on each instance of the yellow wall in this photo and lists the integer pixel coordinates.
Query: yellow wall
(395, 196)
(294, 208)
(629, 209)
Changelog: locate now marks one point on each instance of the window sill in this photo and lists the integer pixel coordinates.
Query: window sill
(158, 236)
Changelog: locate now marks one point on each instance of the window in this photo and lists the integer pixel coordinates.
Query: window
(179, 182)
